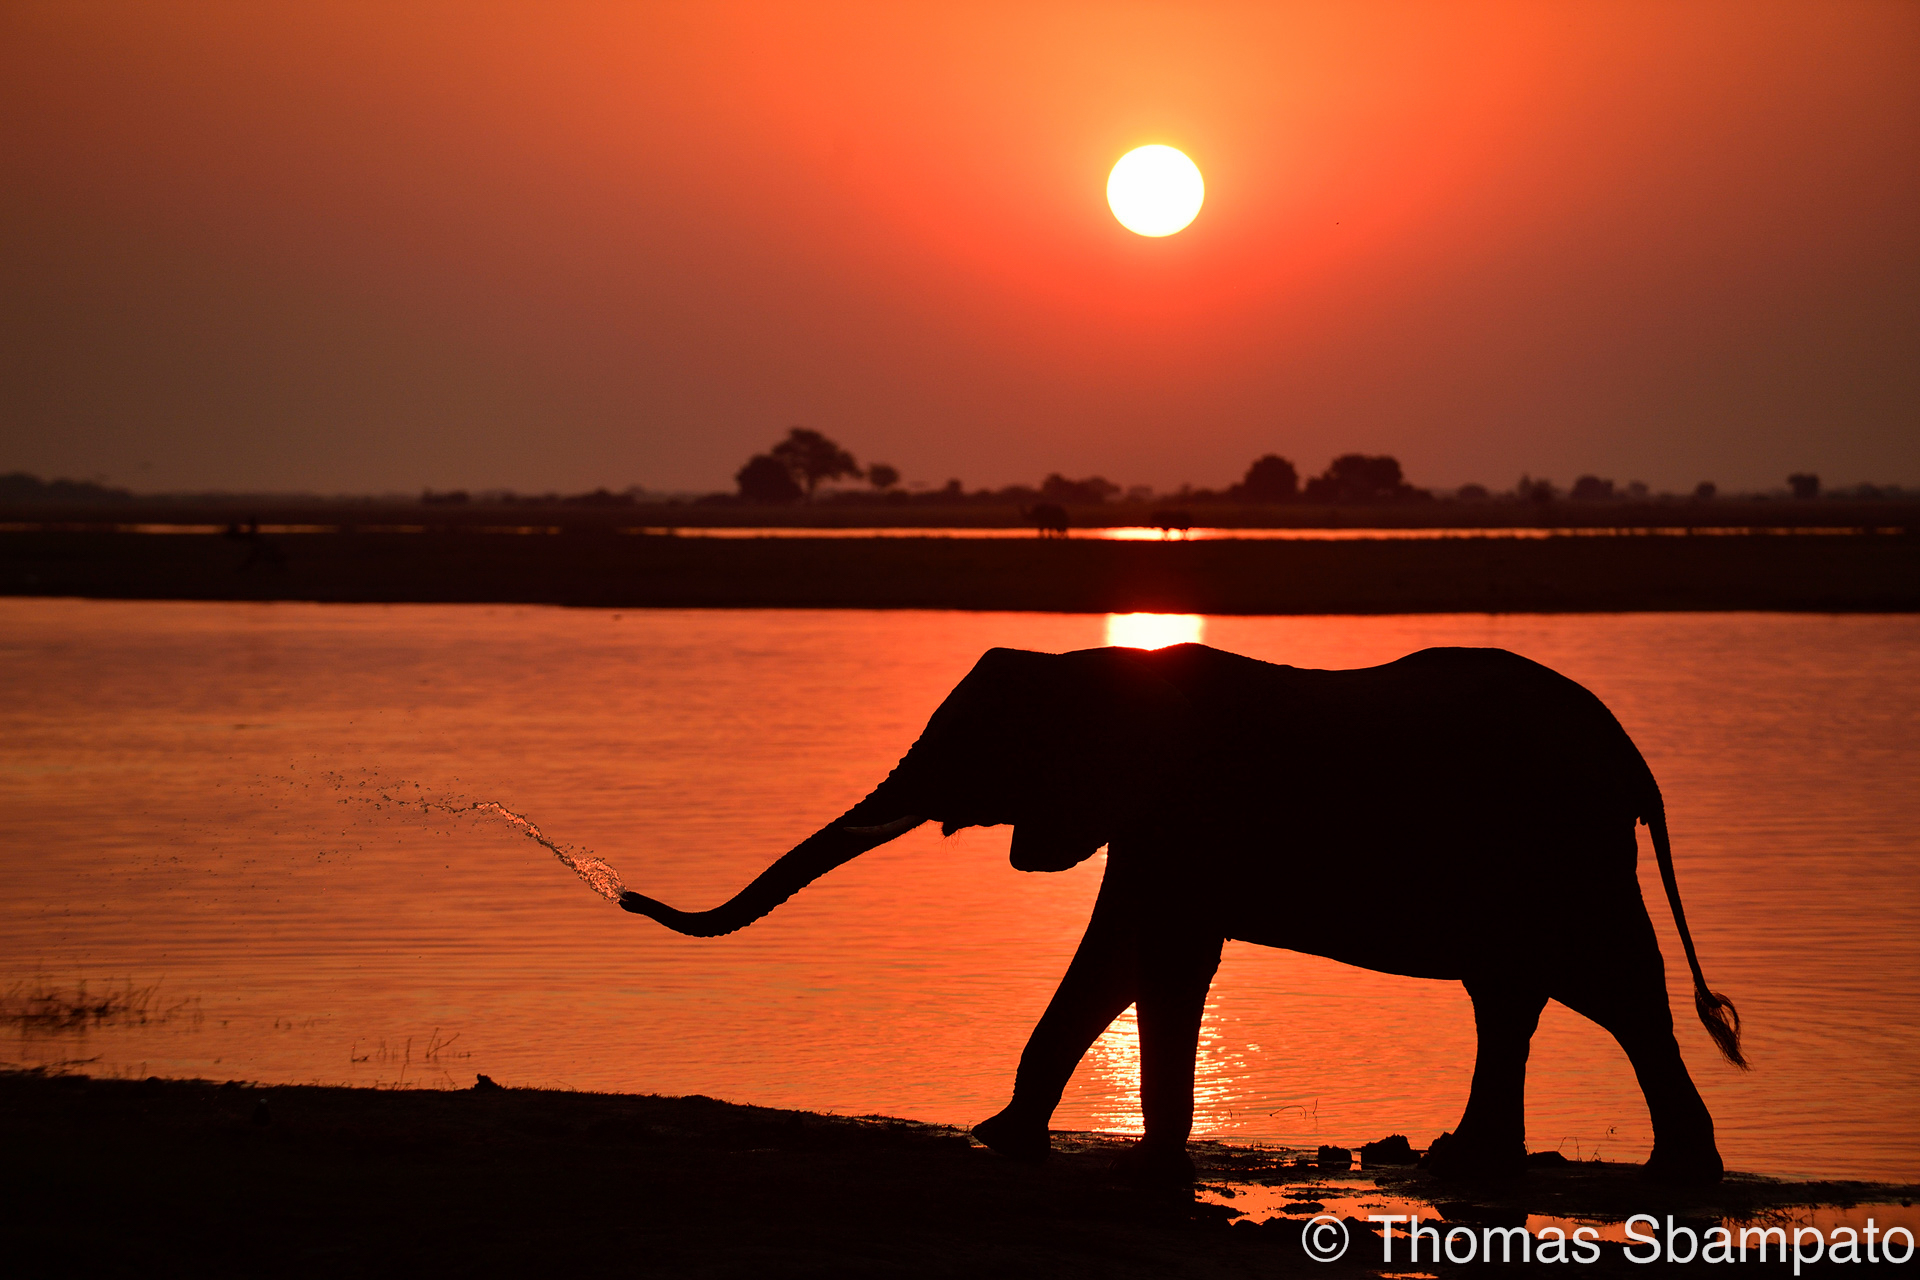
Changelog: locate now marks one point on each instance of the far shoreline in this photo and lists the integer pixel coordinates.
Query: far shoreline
(599, 566)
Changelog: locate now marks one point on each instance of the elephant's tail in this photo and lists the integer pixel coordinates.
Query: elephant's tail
(837, 842)
(1716, 1012)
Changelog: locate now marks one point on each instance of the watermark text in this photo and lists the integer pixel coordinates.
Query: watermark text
(1407, 1238)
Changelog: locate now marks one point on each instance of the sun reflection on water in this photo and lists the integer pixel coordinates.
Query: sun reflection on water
(1113, 1066)
(1110, 1072)
(1154, 630)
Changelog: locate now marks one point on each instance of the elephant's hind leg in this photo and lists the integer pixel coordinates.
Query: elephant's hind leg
(1491, 1141)
(1632, 1005)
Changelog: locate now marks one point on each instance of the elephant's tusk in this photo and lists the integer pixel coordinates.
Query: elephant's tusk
(889, 829)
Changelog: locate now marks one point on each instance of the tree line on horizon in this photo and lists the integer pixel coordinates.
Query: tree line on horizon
(793, 469)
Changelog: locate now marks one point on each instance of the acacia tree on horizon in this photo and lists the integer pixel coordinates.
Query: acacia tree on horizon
(810, 457)
(766, 480)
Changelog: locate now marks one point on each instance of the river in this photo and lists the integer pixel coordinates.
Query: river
(239, 845)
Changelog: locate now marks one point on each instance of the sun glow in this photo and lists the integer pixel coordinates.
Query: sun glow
(1155, 191)
(1154, 630)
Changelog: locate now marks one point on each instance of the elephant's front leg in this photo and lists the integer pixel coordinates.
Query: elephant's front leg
(1491, 1141)
(1099, 985)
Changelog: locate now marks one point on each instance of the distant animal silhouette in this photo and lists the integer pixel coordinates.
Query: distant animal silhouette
(260, 548)
(1050, 518)
(1460, 814)
(1171, 522)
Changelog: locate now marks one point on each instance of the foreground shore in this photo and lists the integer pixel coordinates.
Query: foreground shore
(1862, 571)
(165, 1177)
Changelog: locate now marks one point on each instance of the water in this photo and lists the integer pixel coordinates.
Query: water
(260, 821)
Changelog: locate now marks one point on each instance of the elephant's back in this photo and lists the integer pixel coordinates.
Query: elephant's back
(1448, 731)
(1449, 748)
(1415, 809)
(1503, 703)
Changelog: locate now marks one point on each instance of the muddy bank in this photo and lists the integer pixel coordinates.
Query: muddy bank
(113, 1177)
(1851, 572)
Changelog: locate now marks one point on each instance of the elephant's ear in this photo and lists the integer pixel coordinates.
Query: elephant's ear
(1068, 747)
(1140, 726)
(1116, 743)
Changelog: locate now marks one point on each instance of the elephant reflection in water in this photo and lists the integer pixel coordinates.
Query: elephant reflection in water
(1472, 810)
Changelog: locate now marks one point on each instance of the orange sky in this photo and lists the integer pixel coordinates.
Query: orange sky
(382, 246)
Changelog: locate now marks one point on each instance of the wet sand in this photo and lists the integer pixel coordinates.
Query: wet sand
(159, 1177)
(1762, 571)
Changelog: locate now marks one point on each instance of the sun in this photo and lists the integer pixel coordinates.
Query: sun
(1155, 191)
(1154, 630)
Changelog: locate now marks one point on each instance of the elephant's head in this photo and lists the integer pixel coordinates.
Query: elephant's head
(1071, 749)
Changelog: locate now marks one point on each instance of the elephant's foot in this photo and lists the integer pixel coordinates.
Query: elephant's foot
(1014, 1137)
(1457, 1157)
(1155, 1164)
(1684, 1166)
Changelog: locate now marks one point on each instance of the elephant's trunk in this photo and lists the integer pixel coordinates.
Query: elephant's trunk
(852, 834)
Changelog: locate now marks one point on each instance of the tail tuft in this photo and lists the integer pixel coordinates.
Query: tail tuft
(1722, 1021)
(1716, 1012)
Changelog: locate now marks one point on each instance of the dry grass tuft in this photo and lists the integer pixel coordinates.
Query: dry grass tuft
(43, 1008)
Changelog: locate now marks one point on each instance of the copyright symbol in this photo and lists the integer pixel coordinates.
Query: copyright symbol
(1324, 1238)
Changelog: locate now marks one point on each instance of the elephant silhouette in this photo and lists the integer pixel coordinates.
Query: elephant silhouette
(1479, 806)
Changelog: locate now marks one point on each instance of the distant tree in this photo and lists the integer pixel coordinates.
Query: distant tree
(1270, 479)
(1531, 490)
(1592, 489)
(1358, 478)
(24, 486)
(1705, 491)
(599, 498)
(1057, 488)
(950, 492)
(882, 477)
(810, 457)
(1472, 493)
(1805, 486)
(766, 480)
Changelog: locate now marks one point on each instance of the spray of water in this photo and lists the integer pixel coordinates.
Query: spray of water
(594, 872)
